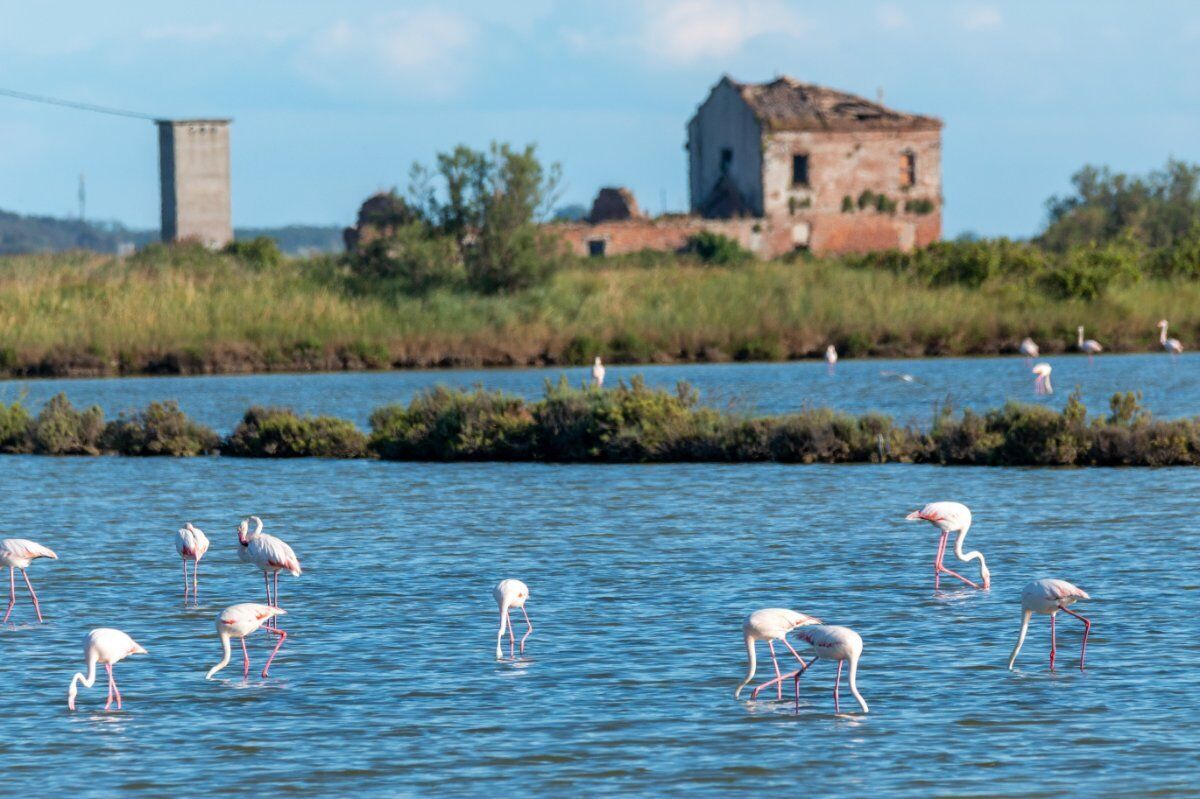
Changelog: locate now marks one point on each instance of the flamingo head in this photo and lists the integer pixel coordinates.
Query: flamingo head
(915, 516)
(242, 529)
(137, 649)
(1161, 323)
(597, 362)
(985, 575)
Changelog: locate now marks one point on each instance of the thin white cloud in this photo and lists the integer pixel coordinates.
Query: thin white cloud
(688, 31)
(422, 51)
(982, 18)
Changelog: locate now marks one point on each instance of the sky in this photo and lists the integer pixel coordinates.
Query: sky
(333, 101)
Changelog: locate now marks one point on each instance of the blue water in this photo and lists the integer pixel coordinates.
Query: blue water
(1170, 387)
(640, 577)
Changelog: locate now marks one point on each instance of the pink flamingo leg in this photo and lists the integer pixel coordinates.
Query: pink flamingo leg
(245, 660)
(959, 576)
(12, 593)
(937, 561)
(111, 685)
(185, 581)
(836, 685)
(793, 651)
(276, 589)
(779, 679)
(798, 675)
(282, 637)
(269, 623)
(1087, 628)
(778, 675)
(116, 690)
(37, 608)
(1052, 642)
(528, 631)
(196, 582)
(512, 638)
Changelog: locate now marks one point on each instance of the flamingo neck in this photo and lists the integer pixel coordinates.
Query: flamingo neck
(854, 684)
(1021, 638)
(87, 681)
(753, 664)
(972, 555)
(225, 651)
(1081, 337)
(1162, 336)
(500, 634)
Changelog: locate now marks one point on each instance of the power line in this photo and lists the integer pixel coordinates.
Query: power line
(99, 109)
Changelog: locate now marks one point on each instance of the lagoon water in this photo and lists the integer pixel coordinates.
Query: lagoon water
(640, 578)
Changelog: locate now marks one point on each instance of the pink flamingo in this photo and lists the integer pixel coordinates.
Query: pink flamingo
(191, 543)
(1172, 345)
(770, 625)
(1049, 597)
(18, 553)
(832, 643)
(238, 621)
(511, 594)
(598, 373)
(950, 517)
(268, 553)
(108, 646)
(1091, 347)
(831, 357)
(1029, 349)
(1041, 384)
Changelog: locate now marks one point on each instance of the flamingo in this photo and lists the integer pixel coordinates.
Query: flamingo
(108, 646)
(511, 594)
(268, 553)
(1090, 346)
(191, 543)
(1029, 348)
(831, 357)
(1171, 345)
(598, 373)
(238, 621)
(770, 625)
(832, 643)
(1049, 597)
(950, 517)
(1041, 384)
(18, 553)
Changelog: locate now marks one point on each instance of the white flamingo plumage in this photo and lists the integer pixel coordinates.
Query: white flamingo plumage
(108, 646)
(238, 621)
(1172, 345)
(831, 357)
(511, 594)
(1089, 346)
(770, 625)
(1041, 384)
(191, 543)
(1049, 597)
(952, 517)
(1029, 348)
(268, 553)
(831, 643)
(598, 373)
(18, 553)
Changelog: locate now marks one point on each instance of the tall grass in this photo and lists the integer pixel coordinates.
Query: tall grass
(191, 311)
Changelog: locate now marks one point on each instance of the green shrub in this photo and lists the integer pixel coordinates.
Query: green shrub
(161, 429)
(447, 424)
(413, 259)
(59, 429)
(15, 422)
(280, 433)
(260, 252)
(717, 249)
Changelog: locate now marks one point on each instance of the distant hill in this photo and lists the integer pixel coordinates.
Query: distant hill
(25, 234)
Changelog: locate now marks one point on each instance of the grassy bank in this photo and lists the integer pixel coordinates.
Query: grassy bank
(190, 312)
(627, 424)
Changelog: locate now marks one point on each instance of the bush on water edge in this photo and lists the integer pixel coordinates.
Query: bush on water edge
(630, 423)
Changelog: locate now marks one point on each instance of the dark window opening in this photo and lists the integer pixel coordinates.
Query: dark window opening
(596, 247)
(908, 170)
(726, 159)
(800, 169)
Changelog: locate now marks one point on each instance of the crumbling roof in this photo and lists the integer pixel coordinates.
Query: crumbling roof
(614, 203)
(787, 104)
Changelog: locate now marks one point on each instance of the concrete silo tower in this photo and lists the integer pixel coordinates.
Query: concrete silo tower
(193, 159)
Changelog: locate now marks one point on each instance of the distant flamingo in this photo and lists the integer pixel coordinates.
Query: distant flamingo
(17, 553)
(831, 357)
(1171, 345)
(511, 594)
(1029, 348)
(770, 625)
(832, 643)
(1049, 597)
(268, 553)
(597, 373)
(191, 543)
(1041, 384)
(1090, 346)
(108, 646)
(950, 517)
(238, 621)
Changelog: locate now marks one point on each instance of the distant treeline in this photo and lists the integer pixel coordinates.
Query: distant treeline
(627, 424)
(32, 234)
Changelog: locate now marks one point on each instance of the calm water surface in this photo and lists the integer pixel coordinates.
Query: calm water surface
(1171, 387)
(640, 577)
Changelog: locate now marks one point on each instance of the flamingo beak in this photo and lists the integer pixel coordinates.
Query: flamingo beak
(914, 516)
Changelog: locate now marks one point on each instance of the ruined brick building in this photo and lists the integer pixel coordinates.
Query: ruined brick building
(787, 165)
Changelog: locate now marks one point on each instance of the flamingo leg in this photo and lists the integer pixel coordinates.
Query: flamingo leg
(778, 675)
(12, 593)
(276, 589)
(1087, 628)
(185, 581)
(837, 683)
(512, 638)
(937, 560)
(245, 660)
(528, 630)
(111, 684)
(116, 690)
(282, 637)
(793, 651)
(268, 624)
(798, 674)
(944, 570)
(1052, 641)
(196, 582)
(37, 608)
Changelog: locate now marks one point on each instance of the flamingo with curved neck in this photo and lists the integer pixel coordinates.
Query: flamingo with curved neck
(1089, 346)
(770, 625)
(1172, 345)
(950, 517)
(238, 621)
(108, 646)
(831, 643)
